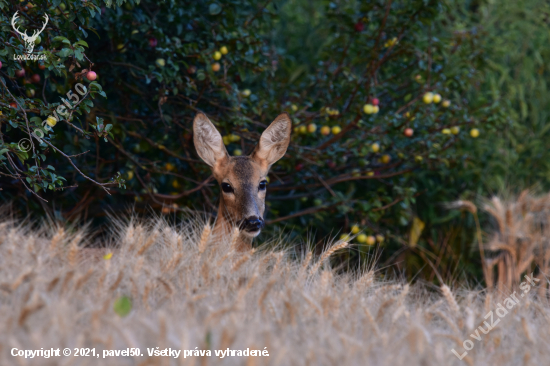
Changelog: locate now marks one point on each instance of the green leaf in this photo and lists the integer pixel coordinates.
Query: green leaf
(65, 52)
(122, 306)
(62, 39)
(36, 120)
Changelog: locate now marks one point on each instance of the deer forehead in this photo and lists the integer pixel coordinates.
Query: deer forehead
(240, 171)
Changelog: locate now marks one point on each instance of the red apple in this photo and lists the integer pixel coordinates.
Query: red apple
(359, 26)
(375, 101)
(35, 78)
(408, 132)
(91, 76)
(41, 66)
(191, 69)
(0, 64)
(299, 167)
(331, 164)
(20, 73)
(13, 105)
(153, 42)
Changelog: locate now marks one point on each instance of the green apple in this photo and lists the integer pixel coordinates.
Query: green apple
(160, 62)
(428, 98)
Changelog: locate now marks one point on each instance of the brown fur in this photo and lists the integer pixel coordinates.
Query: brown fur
(243, 173)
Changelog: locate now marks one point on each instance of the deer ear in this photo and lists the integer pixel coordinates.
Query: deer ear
(274, 141)
(208, 141)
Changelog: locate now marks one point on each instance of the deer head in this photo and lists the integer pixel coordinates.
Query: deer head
(29, 40)
(242, 179)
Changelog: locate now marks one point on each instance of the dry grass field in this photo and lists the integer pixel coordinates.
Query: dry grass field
(182, 288)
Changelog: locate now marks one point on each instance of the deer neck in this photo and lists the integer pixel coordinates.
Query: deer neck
(225, 226)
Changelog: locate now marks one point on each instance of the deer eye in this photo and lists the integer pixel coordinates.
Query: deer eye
(226, 187)
(262, 185)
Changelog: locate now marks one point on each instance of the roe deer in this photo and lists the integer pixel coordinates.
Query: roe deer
(242, 179)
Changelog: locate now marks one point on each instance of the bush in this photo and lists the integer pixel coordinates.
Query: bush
(391, 84)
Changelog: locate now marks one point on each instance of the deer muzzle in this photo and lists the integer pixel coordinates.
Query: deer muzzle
(252, 224)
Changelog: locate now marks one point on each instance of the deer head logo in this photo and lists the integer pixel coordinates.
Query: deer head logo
(29, 40)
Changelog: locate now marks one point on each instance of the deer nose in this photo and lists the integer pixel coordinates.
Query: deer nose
(252, 223)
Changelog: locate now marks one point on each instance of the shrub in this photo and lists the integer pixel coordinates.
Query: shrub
(388, 81)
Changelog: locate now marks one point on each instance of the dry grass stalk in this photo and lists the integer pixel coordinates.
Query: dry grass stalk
(463, 205)
(83, 279)
(326, 255)
(234, 240)
(372, 322)
(266, 290)
(54, 244)
(242, 260)
(472, 208)
(72, 256)
(204, 238)
(22, 278)
(307, 260)
(100, 282)
(145, 296)
(28, 311)
(173, 263)
(366, 280)
(384, 307)
(449, 297)
(65, 285)
(258, 298)
(148, 244)
(117, 281)
(527, 329)
(167, 285)
(135, 289)
(227, 338)
(52, 284)
(416, 340)
(449, 321)
(205, 271)
(27, 294)
(519, 246)
(138, 265)
(223, 258)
